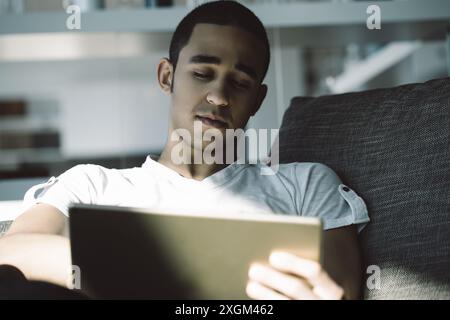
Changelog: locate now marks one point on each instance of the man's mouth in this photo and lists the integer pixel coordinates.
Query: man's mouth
(210, 122)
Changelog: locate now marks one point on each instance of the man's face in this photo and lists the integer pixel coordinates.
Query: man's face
(217, 79)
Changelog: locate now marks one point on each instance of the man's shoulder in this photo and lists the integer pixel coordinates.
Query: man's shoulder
(312, 172)
(94, 172)
(300, 172)
(305, 166)
(86, 169)
(302, 168)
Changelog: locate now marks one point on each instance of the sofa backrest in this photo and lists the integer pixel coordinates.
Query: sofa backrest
(393, 147)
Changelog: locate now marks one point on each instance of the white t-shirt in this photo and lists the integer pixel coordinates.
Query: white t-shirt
(303, 189)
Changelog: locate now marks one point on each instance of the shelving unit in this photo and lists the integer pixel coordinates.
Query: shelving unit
(319, 24)
(283, 15)
(35, 124)
(10, 158)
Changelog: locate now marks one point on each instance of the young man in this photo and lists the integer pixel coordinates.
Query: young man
(219, 55)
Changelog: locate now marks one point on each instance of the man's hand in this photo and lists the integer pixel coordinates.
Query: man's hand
(290, 277)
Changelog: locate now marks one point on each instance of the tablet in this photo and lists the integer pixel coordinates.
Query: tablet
(130, 253)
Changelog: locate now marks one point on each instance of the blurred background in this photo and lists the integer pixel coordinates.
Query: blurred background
(91, 96)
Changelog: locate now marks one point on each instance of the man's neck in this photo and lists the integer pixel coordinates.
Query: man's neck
(190, 170)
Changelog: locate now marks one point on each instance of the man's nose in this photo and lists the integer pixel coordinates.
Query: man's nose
(218, 96)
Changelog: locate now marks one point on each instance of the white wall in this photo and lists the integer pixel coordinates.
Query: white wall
(107, 106)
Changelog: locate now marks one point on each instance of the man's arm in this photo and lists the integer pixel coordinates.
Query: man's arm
(37, 244)
(290, 277)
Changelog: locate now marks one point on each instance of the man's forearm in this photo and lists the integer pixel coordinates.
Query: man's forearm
(40, 257)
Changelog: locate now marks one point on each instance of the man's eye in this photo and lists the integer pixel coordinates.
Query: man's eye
(241, 85)
(200, 75)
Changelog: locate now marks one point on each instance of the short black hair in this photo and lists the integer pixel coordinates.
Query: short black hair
(223, 12)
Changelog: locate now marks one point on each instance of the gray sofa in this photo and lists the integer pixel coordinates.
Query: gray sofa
(393, 147)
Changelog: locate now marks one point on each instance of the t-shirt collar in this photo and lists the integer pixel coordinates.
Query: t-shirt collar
(217, 179)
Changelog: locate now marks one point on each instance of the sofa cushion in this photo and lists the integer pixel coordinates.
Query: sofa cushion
(393, 147)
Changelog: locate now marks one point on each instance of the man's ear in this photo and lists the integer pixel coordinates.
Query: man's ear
(260, 98)
(165, 75)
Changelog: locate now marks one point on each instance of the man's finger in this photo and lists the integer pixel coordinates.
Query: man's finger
(257, 291)
(288, 285)
(323, 285)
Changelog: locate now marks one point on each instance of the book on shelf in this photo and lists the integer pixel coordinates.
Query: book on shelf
(10, 108)
(29, 140)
